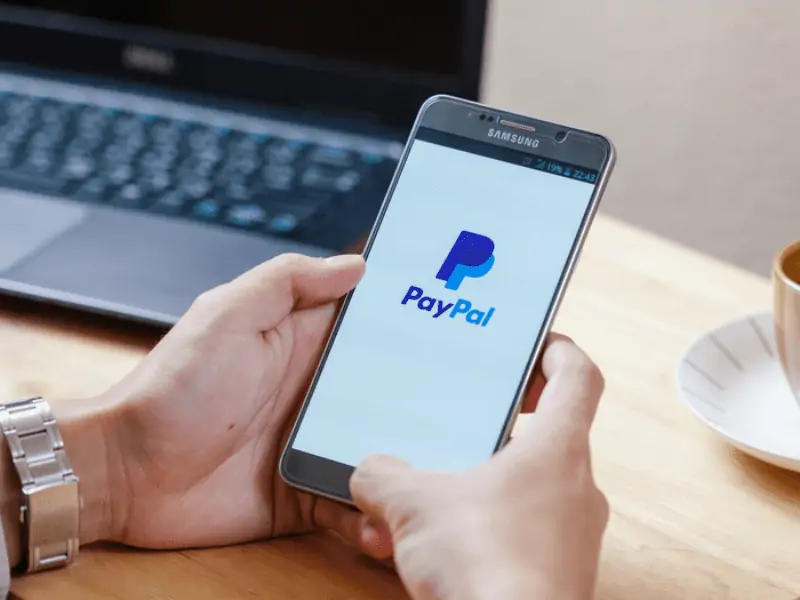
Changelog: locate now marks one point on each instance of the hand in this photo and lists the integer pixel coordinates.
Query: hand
(192, 437)
(527, 524)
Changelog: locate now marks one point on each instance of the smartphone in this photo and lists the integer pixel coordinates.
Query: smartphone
(430, 356)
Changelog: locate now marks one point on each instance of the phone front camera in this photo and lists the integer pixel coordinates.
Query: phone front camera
(560, 136)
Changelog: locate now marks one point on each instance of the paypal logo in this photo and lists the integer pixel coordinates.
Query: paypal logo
(471, 256)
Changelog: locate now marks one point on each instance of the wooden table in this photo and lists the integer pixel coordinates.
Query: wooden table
(692, 518)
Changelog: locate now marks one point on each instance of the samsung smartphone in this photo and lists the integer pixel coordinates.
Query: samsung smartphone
(431, 354)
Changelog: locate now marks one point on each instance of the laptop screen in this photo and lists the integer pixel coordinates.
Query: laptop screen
(363, 60)
(410, 35)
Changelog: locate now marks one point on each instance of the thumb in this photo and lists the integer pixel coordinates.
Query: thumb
(266, 294)
(386, 489)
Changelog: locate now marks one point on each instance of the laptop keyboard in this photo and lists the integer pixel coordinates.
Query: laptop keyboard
(190, 170)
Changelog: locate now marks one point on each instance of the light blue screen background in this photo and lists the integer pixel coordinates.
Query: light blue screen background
(436, 392)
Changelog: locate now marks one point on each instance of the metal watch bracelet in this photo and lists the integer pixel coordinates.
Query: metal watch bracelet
(50, 511)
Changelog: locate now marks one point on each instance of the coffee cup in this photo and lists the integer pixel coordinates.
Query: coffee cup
(786, 312)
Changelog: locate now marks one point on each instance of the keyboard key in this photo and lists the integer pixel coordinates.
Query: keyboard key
(245, 164)
(92, 125)
(246, 215)
(313, 177)
(16, 132)
(128, 124)
(207, 210)
(115, 154)
(284, 151)
(317, 177)
(42, 139)
(120, 174)
(196, 187)
(55, 113)
(8, 153)
(211, 154)
(200, 137)
(238, 190)
(193, 166)
(131, 192)
(151, 160)
(165, 132)
(279, 177)
(329, 155)
(171, 203)
(54, 134)
(20, 105)
(135, 141)
(167, 156)
(244, 145)
(347, 181)
(79, 167)
(87, 142)
(39, 161)
(283, 223)
(130, 196)
(158, 181)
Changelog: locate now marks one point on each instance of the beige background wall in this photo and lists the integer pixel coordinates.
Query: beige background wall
(701, 97)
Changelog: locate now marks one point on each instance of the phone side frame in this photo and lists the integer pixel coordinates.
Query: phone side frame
(552, 310)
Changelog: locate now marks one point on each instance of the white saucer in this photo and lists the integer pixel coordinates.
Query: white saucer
(731, 379)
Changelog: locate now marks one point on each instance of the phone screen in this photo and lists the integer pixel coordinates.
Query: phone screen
(437, 337)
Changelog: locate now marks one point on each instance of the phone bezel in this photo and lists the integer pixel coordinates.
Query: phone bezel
(331, 479)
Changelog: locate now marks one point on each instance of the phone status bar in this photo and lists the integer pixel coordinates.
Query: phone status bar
(509, 155)
(562, 169)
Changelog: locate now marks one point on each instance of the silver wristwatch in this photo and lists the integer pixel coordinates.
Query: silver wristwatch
(50, 510)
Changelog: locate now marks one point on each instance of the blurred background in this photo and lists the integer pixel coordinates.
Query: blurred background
(701, 97)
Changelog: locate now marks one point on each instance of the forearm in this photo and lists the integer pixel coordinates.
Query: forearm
(83, 425)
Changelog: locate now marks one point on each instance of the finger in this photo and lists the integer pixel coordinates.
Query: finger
(353, 528)
(376, 540)
(574, 385)
(312, 326)
(385, 488)
(538, 380)
(266, 294)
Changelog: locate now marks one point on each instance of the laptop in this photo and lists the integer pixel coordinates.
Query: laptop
(152, 150)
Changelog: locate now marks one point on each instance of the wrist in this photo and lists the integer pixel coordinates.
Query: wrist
(513, 579)
(82, 426)
(85, 426)
(523, 586)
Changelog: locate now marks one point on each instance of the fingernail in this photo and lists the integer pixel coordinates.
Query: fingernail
(342, 261)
